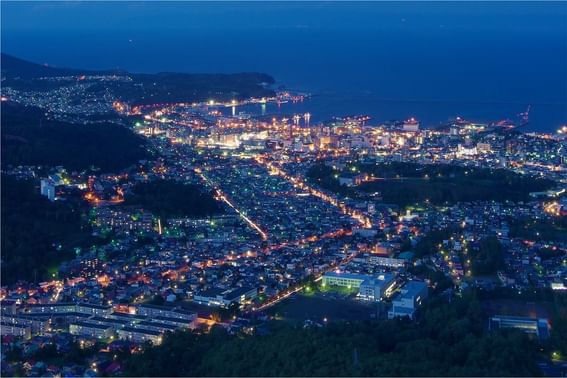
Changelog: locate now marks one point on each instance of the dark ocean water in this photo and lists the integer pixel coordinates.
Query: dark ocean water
(482, 61)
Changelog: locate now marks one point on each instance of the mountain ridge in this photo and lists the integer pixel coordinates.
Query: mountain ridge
(143, 88)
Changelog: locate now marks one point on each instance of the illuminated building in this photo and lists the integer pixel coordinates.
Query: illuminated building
(56, 308)
(411, 296)
(224, 298)
(539, 327)
(465, 151)
(411, 125)
(370, 288)
(376, 288)
(91, 330)
(389, 262)
(155, 311)
(382, 249)
(344, 279)
(47, 189)
(8, 307)
(153, 325)
(38, 324)
(17, 330)
(483, 148)
(140, 335)
(62, 308)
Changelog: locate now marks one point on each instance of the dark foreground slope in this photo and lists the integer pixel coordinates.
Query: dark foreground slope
(451, 340)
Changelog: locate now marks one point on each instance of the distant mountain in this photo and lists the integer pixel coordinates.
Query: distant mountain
(13, 67)
(144, 88)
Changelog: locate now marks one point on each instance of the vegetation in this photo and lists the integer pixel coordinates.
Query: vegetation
(554, 229)
(327, 178)
(428, 244)
(163, 87)
(409, 183)
(438, 280)
(13, 67)
(167, 198)
(36, 234)
(182, 87)
(558, 312)
(72, 354)
(29, 138)
(558, 340)
(488, 258)
(449, 341)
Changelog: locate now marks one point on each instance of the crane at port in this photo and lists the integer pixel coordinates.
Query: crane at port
(525, 116)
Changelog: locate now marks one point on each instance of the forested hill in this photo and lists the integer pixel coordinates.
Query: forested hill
(37, 235)
(183, 87)
(450, 340)
(29, 138)
(13, 67)
(143, 88)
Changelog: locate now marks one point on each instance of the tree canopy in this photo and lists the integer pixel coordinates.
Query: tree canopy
(29, 138)
(36, 234)
(409, 183)
(168, 198)
(449, 341)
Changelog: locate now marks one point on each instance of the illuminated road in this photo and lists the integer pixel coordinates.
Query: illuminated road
(312, 239)
(278, 298)
(299, 183)
(220, 195)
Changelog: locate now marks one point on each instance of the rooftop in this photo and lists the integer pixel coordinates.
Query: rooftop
(351, 276)
(412, 289)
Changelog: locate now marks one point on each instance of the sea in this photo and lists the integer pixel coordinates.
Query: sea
(482, 61)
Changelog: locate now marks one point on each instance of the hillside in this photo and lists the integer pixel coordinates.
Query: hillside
(140, 88)
(37, 235)
(449, 341)
(29, 138)
(13, 67)
(409, 183)
(168, 199)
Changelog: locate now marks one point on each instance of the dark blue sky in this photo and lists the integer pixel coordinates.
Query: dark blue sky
(77, 15)
(484, 52)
